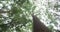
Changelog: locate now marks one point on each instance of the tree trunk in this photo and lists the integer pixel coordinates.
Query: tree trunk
(38, 26)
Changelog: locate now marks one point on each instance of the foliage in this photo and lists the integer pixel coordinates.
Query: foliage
(17, 17)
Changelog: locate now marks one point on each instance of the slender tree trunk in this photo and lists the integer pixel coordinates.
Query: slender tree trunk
(38, 26)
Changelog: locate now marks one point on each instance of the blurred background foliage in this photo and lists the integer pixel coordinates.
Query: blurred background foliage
(15, 15)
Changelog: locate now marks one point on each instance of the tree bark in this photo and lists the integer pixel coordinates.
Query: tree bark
(38, 26)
